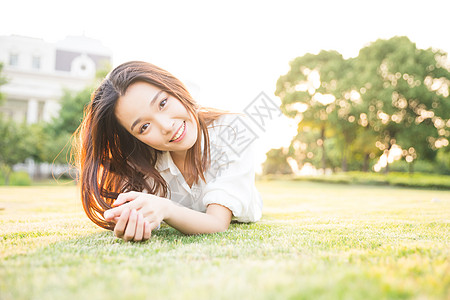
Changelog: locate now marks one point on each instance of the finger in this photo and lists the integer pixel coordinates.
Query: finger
(154, 225)
(125, 197)
(130, 231)
(139, 228)
(147, 231)
(112, 213)
(122, 223)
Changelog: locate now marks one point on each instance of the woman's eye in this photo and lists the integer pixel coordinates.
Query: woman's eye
(143, 128)
(163, 103)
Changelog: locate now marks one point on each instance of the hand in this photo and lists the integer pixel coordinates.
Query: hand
(132, 226)
(137, 214)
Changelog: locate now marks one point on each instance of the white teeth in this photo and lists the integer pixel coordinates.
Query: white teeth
(179, 132)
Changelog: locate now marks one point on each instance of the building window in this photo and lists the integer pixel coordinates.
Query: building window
(13, 59)
(36, 62)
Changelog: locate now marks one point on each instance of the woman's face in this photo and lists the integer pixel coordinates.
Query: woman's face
(156, 118)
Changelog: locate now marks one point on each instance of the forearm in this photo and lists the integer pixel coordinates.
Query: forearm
(189, 221)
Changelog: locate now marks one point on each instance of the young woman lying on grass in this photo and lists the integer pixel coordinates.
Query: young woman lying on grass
(149, 153)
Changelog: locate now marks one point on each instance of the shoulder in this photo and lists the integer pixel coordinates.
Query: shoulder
(230, 136)
(226, 118)
(232, 128)
(233, 124)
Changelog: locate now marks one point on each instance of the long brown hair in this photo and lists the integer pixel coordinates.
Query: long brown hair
(111, 160)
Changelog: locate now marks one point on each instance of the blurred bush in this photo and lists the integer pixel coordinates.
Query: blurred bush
(419, 166)
(16, 179)
(420, 180)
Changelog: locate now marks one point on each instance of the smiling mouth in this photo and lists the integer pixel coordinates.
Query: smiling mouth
(180, 133)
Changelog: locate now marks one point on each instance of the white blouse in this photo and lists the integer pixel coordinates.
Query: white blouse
(230, 180)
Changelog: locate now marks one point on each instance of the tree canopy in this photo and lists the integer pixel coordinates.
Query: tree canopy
(392, 96)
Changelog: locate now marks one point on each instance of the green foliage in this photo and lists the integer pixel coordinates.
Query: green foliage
(14, 145)
(15, 141)
(20, 179)
(443, 159)
(2, 81)
(43, 142)
(276, 162)
(416, 180)
(397, 80)
(56, 136)
(102, 71)
(392, 93)
(15, 178)
(423, 166)
(48, 144)
(71, 113)
(54, 145)
(304, 147)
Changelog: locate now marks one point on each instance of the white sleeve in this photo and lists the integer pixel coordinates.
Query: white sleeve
(233, 181)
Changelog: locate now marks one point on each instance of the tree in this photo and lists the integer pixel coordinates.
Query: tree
(71, 112)
(276, 162)
(317, 91)
(2, 81)
(73, 104)
(405, 94)
(14, 145)
(443, 159)
(57, 134)
(391, 94)
(47, 146)
(12, 148)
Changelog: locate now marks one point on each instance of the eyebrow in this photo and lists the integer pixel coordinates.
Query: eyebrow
(151, 104)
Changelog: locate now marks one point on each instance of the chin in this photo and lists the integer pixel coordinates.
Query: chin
(191, 143)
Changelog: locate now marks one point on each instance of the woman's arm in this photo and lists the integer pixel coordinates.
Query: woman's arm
(216, 219)
(139, 213)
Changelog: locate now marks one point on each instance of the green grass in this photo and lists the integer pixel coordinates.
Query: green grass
(418, 180)
(315, 241)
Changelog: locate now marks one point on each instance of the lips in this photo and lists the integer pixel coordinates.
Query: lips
(180, 133)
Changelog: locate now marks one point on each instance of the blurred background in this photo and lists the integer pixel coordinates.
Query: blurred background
(363, 87)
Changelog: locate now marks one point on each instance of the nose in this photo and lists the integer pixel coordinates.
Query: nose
(166, 124)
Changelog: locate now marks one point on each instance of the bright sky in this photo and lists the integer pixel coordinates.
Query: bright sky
(232, 50)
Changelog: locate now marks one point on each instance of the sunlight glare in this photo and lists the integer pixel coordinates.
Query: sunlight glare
(324, 99)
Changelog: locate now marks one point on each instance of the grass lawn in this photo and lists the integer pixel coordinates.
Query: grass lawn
(315, 241)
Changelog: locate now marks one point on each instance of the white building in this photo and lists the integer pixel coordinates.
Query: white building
(38, 72)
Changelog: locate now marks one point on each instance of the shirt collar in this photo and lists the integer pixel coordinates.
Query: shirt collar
(165, 162)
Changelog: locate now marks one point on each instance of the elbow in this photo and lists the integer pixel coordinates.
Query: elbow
(222, 226)
(219, 230)
(219, 218)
